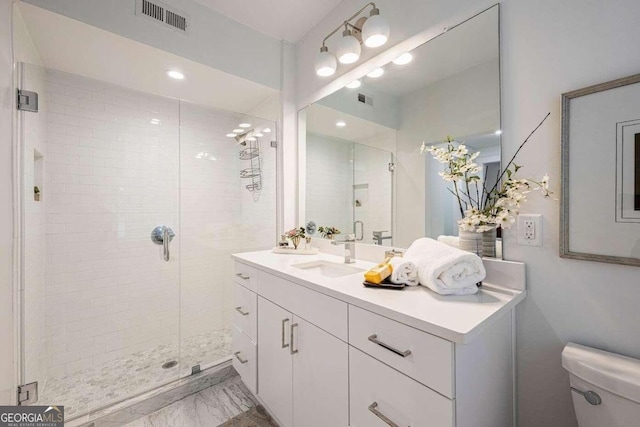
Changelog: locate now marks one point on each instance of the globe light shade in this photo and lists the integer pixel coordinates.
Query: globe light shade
(326, 63)
(375, 31)
(349, 49)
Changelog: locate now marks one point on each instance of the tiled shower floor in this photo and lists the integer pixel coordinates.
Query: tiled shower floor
(95, 387)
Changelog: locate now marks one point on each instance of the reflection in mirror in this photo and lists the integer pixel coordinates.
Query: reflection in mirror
(360, 146)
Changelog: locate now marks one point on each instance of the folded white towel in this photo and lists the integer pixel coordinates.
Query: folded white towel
(404, 272)
(445, 269)
(450, 240)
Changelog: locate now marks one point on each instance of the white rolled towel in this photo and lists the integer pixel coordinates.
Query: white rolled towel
(445, 269)
(450, 240)
(404, 272)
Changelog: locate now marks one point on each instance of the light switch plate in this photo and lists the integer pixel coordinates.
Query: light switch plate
(530, 230)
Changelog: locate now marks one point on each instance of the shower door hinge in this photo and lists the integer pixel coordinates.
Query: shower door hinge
(27, 394)
(274, 144)
(392, 167)
(27, 101)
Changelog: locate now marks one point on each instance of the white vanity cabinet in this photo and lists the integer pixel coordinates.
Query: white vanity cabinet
(303, 370)
(326, 362)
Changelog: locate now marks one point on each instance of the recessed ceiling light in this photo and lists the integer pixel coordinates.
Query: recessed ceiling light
(155, 121)
(259, 135)
(498, 132)
(231, 135)
(238, 130)
(403, 59)
(266, 130)
(340, 124)
(175, 74)
(245, 125)
(354, 84)
(376, 73)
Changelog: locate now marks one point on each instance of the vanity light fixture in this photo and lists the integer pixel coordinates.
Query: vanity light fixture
(244, 125)
(403, 59)
(175, 74)
(340, 124)
(372, 30)
(376, 73)
(354, 84)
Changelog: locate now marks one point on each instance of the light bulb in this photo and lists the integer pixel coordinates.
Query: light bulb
(498, 132)
(175, 74)
(354, 84)
(376, 73)
(403, 59)
(348, 50)
(340, 124)
(326, 63)
(375, 31)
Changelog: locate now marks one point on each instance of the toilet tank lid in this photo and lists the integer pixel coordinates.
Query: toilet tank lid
(615, 373)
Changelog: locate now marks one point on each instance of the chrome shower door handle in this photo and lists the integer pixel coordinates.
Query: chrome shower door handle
(355, 230)
(162, 235)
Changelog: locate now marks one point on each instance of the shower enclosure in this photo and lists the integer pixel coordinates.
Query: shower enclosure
(131, 206)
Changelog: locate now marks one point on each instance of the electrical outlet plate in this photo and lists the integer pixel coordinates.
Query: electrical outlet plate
(530, 230)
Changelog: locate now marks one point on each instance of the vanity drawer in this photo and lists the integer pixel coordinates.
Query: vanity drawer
(422, 356)
(245, 359)
(378, 391)
(321, 310)
(245, 276)
(245, 311)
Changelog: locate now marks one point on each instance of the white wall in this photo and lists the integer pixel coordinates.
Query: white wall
(7, 97)
(213, 39)
(548, 47)
(464, 104)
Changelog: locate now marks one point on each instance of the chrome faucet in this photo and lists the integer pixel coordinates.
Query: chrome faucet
(349, 242)
(377, 236)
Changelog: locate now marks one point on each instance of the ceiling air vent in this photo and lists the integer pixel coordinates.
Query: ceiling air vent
(162, 14)
(365, 99)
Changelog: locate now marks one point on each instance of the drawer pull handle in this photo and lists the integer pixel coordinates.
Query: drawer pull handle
(293, 326)
(242, 276)
(284, 322)
(241, 311)
(240, 359)
(373, 408)
(374, 338)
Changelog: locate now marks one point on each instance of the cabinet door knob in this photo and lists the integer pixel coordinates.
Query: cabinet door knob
(374, 338)
(240, 359)
(241, 311)
(284, 322)
(373, 408)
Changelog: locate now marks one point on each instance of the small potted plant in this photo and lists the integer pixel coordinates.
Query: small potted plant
(295, 235)
(328, 232)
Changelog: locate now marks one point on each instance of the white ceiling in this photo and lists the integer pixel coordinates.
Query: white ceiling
(280, 19)
(322, 120)
(72, 46)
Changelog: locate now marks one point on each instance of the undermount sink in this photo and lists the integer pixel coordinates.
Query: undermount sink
(328, 268)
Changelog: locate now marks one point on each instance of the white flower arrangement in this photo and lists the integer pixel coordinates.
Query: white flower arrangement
(487, 208)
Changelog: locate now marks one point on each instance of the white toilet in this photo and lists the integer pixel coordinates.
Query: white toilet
(605, 387)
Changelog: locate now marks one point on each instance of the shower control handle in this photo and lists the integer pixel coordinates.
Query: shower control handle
(162, 235)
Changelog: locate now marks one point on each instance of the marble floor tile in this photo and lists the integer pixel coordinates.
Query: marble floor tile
(207, 408)
(87, 390)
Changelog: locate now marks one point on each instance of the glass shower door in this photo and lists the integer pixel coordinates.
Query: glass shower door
(373, 195)
(227, 205)
(100, 299)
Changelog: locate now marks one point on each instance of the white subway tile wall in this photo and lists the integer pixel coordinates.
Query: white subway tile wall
(115, 163)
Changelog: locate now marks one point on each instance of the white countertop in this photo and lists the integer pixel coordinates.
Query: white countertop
(454, 318)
